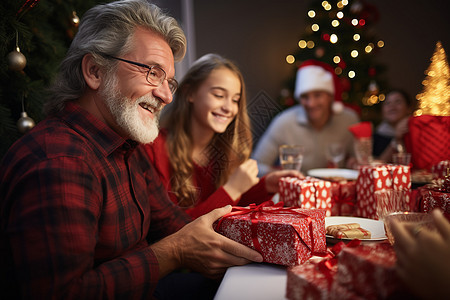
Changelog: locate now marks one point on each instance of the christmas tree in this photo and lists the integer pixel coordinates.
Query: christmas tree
(435, 98)
(341, 34)
(35, 35)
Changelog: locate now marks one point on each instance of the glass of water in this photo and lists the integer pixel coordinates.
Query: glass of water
(291, 157)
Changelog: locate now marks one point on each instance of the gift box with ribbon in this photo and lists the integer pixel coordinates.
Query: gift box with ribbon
(343, 198)
(314, 278)
(431, 196)
(284, 236)
(377, 178)
(441, 169)
(309, 192)
(369, 272)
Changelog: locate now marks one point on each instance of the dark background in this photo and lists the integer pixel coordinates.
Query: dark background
(259, 34)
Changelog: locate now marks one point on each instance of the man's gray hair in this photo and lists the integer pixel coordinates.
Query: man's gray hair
(108, 29)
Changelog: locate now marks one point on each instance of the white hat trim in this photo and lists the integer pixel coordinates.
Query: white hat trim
(313, 78)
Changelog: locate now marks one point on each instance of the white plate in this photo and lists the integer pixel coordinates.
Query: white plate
(375, 227)
(329, 173)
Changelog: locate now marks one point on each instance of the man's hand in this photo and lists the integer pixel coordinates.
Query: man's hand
(198, 247)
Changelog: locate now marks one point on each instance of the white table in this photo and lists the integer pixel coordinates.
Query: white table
(253, 281)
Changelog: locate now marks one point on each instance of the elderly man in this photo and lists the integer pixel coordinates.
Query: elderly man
(319, 121)
(83, 214)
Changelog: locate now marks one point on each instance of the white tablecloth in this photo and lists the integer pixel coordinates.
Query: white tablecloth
(253, 281)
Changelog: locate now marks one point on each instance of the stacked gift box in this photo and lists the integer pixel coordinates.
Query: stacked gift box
(285, 236)
(377, 178)
(336, 197)
(366, 271)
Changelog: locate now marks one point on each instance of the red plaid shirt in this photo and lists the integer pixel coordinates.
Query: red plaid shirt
(76, 201)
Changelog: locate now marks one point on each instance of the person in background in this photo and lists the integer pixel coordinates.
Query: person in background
(82, 216)
(423, 257)
(202, 152)
(388, 136)
(318, 121)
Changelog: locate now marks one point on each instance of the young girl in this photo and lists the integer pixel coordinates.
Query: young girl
(203, 149)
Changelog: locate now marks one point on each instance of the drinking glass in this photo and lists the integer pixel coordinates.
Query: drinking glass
(363, 150)
(416, 221)
(291, 157)
(401, 158)
(335, 153)
(389, 201)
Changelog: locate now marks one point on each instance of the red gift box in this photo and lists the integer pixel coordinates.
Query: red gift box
(284, 236)
(369, 271)
(429, 199)
(377, 178)
(314, 278)
(439, 170)
(343, 198)
(309, 192)
(428, 140)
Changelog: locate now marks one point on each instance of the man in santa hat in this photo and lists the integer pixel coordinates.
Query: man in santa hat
(318, 121)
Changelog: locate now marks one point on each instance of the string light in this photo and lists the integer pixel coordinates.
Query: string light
(380, 44)
(302, 44)
(340, 15)
(355, 22)
(335, 23)
(310, 44)
(354, 53)
(311, 13)
(351, 74)
(345, 2)
(333, 38)
(315, 27)
(356, 37)
(290, 59)
(338, 71)
(340, 5)
(336, 59)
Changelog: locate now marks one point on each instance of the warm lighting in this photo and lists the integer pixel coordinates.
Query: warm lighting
(310, 44)
(354, 53)
(340, 5)
(368, 49)
(335, 23)
(302, 44)
(328, 7)
(380, 44)
(338, 71)
(382, 97)
(336, 59)
(290, 59)
(324, 3)
(435, 97)
(362, 22)
(356, 37)
(311, 14)
(340, 15)
(355, 22)
(333, 38)
(315, 27)
(351, 74)
(345, 2)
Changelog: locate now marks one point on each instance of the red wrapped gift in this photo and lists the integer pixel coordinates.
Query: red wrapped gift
(369, 271)
(284, 236)
(430, 198)
(377, 178)
(343, 198)
(309, 192)
(314, 278)
(428, 140)
(440, 169)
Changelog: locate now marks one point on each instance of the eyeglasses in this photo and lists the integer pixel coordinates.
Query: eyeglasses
(155, 75)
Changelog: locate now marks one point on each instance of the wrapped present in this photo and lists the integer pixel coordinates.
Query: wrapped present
(313, 279)
(369, 272)
(441, 169)
(309, 192)
(430, 197)
(343, 198)
(428, 140)
(285, 236)
(376, 178)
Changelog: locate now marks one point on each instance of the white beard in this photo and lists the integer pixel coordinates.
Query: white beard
(126, 112)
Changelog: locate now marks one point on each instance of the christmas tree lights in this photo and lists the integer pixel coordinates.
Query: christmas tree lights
(435, 98)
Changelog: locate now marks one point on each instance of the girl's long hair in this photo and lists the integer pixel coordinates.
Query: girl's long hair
(226, 150)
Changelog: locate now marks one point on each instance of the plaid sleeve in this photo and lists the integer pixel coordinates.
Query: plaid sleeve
(56, 212)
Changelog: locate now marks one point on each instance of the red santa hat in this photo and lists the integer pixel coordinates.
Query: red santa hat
(313, 75)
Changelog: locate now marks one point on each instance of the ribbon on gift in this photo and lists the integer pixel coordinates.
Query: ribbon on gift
(326, 265)
(341, 198)
(256, 210)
